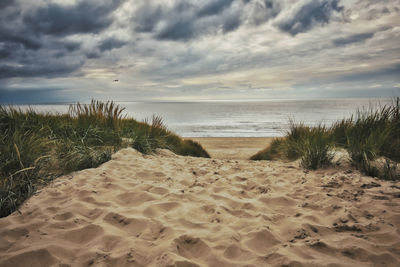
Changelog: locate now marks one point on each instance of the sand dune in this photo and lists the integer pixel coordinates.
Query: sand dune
(168, 210)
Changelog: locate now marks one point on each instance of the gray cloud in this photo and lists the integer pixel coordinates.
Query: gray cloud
(262, 11)
(72, 46)
(147, 17)
(84, 17)
(231, 23)
(355, 38)
(35, 44)
(213, 7)
(188, 48)
(308, 15)
(185, 20)
(93, 54)
(110, 44)
(6, 3)
(27, 41)
(179, 29)
(391, 72)
(48, 70)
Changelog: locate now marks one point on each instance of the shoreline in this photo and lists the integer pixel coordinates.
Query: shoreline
(232, 147)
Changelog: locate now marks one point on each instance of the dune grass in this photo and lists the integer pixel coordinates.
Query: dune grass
(311, 144)
(371, 137)
(35, 147)
(274, 151)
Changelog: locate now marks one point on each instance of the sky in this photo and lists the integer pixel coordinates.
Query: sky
(181, 50)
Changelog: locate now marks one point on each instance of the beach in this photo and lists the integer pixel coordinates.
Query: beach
(233, 147)
(216, 133)
(170, 210)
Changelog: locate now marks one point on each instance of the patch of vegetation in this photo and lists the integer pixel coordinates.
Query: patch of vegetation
(152, 135)
(35, 148)
(274, 151)
(311, 144)
(315, 148)
(371, 137)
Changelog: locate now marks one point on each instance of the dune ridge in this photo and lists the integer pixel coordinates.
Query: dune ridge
(169, 210)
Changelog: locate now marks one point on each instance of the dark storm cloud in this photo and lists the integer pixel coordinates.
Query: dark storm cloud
(181, 29)
(231, 23)
(185, 20)
(6, 3)
(27, 41)
(110, 44)
(6, 50)
(61, 20)
(49, 70)
(72, 46)
(178, 20)
(13, 38)
(93, 55)
(86, 41)
(355, 38)
(213, 7)
(147, 17)
(35, 44)
(310, 14)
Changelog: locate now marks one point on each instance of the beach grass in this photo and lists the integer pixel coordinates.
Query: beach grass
(371, 137)
(312, 145)
(37, 147)
(274, 151)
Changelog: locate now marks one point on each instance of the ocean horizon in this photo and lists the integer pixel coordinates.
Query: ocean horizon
(249, 118)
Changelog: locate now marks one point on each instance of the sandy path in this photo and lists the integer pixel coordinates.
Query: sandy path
(233, 147)
(168, 210)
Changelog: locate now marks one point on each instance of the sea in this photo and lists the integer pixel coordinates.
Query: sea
(239, 118)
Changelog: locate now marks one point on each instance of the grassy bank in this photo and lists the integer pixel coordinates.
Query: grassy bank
(35, 148)
(371, 137)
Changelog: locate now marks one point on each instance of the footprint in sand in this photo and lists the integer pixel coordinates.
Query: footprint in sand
(261, 241)
(191, 247)
(84, 235)
(33, 258)
(130, 225)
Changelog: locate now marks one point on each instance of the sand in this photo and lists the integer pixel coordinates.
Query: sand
(169, 210)
(233, 147)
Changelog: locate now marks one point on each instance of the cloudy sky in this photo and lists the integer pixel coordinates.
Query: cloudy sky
(68, 50)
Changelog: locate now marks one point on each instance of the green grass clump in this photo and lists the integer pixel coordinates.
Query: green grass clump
(73, 157)
(274, 151)
(21, 156)
(149, 136)
(314, 148)
(97, 112)
(35, 147)
(152, 135)
(311, 144)
(368, 136)
(191, 148)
